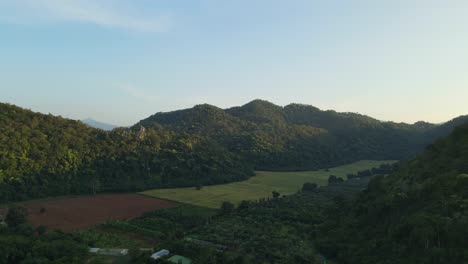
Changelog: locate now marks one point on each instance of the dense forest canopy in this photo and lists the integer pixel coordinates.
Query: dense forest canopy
(299, 137)
(44, 155)
(417, 215)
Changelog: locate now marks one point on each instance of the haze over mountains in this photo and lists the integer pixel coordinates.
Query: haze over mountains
(97, 124)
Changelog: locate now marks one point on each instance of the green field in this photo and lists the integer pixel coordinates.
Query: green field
(259, 186)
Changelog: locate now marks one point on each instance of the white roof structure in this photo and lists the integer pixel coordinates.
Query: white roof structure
(109, 251)
(94, 250)
(160, 253)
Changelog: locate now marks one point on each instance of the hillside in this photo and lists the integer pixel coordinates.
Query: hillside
(417, 215)
(300, 137)
(43, 155)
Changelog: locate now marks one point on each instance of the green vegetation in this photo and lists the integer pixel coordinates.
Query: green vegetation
(416, 215)
(20, 243)
(43, 155)
(166, 228)
(260, 186)
(179, 260)
(281, 230)
(300, 137)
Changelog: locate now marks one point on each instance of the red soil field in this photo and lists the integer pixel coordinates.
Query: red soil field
(83, 212)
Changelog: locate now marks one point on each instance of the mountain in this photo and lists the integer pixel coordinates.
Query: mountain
(416, 215)
(96, 124)
(44, 155)
(201, 119)
(300, 137)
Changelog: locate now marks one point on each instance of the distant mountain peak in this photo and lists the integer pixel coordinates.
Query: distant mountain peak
(97, 124)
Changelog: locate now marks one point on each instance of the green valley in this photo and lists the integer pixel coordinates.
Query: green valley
(260, 186)
(233, 132)
(248, 182)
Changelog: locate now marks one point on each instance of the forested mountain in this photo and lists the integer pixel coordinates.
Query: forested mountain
(416, 215)
(44, 155)
(298, 137)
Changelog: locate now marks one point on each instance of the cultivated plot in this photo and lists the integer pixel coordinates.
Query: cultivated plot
(82, 212)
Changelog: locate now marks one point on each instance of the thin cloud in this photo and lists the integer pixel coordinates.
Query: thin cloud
(101, 13)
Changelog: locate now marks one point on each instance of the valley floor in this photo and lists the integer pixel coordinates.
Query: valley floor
(260, 186)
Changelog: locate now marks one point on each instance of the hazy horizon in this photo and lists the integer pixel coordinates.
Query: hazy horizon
(91, 118)
(121, 61)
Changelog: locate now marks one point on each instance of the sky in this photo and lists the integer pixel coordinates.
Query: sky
(120, 61)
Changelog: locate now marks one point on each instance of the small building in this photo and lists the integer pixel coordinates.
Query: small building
(94, 250)
(160, 253)
(176, 259)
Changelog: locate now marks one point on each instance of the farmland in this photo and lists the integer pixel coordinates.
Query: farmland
(83, 212)
(259, 186)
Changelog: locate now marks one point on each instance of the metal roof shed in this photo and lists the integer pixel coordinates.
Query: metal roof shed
(160, 253)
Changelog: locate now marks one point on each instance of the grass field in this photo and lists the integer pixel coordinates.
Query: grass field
(259, 186)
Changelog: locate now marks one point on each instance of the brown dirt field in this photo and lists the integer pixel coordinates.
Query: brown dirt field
(83, 212)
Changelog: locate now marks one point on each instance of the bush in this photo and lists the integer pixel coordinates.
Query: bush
(309, 187)
(16, 216)
(334, 180)
(275, 194)
(227, 208)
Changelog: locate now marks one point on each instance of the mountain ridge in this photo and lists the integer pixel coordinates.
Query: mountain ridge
(284, 130)
(198, 146)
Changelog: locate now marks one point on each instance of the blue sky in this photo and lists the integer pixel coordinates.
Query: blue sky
(121, 61)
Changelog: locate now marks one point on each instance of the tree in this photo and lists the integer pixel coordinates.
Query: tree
(309, 187)
(41, 230)
(16, 216)
(332, 179)
(275, 194)
(227, 208)
(244, 204)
